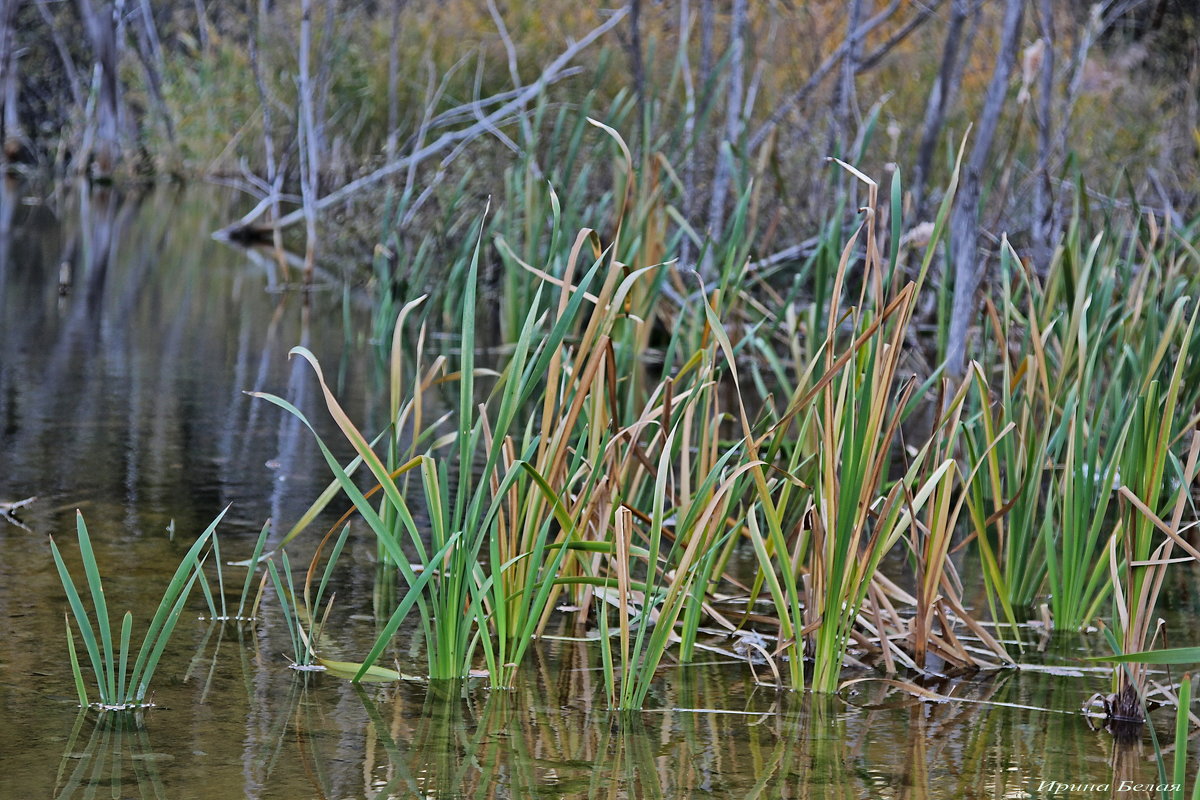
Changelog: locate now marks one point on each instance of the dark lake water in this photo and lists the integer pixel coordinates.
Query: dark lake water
(127, 340)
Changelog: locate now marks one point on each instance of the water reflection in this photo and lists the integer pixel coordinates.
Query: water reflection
(127, 341)
(448, 742)
(117, 754)
(311, 736)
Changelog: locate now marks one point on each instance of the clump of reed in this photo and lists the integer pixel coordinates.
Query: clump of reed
(1078, 353)
(247, 608)
(640, 425)
(620, 490)
(120, 686)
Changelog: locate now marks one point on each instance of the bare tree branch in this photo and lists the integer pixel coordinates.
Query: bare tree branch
(955, 53)
(964, 224)
(800, 95)
(734, 122)
(447, 141)
(873, 58)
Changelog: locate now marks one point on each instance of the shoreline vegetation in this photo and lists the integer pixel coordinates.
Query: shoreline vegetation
(923, 293)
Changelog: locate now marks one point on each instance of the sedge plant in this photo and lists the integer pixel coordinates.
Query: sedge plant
(120, 686)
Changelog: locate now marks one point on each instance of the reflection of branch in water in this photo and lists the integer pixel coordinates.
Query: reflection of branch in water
(10, 197)
(296, 448)
(270, 268)
(118, 745)
(8, 512)
(253, 408)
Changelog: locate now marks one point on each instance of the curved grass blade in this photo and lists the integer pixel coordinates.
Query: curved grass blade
(169, 608)
(289, 615)
(81, 621)
(92, 570)
(349, 670)
(365, 509)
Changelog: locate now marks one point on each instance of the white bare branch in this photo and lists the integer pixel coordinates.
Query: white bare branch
(448, 140)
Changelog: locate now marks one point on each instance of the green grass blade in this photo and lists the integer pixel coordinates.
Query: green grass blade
(208, 599)
(99, 605)
(159, 640)
(285, 606)
(361, 504)
(176, 592)
(1182, 723)
(334, 555)
(250, 569)
(349, 670)
(81, 620)
(143, 677)
(80, 688)
(304, 644)
(126, 632)
(216, 551)
(466, 384)
(410, 598)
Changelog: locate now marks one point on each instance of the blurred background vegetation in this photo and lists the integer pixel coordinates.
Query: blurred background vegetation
(188, 104)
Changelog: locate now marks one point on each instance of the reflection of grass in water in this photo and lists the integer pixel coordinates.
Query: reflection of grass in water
(524, 744)
(452, 742)
(117, 745)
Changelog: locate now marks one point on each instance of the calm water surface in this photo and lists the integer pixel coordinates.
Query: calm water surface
(127, 340)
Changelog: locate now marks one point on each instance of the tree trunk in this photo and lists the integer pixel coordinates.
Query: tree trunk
(13, 135)
(938, 102)
(394, 82)
(689, 129)
(637, 67)
(843, 90)
(101, 27)
(733, 130)
(310, 165)
(201, 25)
(964, 224)
(708, 24)
(150, 55)
(274, 178)
(1042, 229)
(321, 87)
